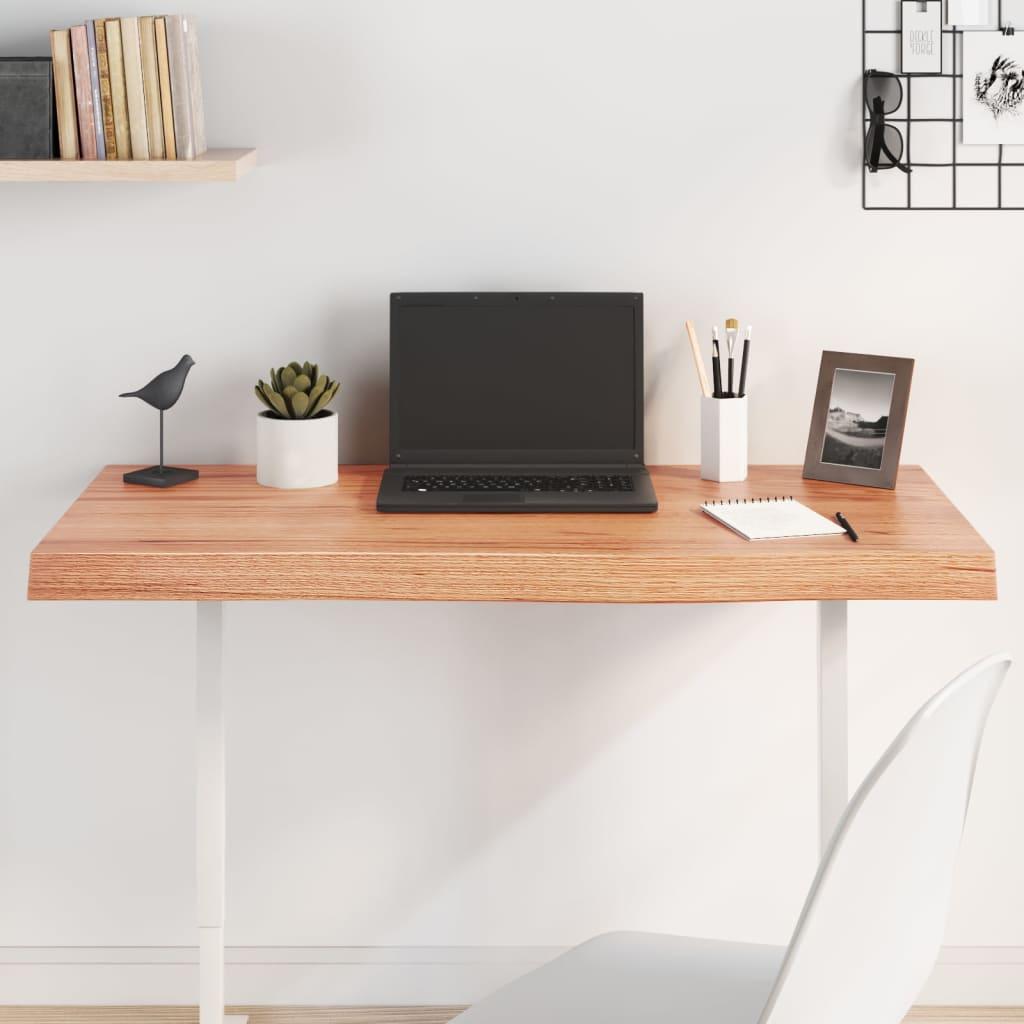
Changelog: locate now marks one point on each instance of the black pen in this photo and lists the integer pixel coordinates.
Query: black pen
(845, 524)
(716, 363)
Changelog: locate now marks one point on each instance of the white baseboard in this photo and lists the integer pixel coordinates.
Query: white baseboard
(976, 976)
(340, 976)
(263, 975)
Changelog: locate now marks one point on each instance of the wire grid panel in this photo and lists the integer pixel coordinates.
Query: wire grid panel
(947, 175)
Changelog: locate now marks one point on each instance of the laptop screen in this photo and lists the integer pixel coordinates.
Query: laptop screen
(516, 377)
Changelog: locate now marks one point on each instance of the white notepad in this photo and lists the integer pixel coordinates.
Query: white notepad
(770, 518)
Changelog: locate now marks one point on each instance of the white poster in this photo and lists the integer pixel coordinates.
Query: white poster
(969, 13)
(993, 84)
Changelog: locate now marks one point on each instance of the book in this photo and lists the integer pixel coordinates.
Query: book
(83, 93)
(775, 518)
(106, 101)
(118, 91)
(195, 84)
(64, 93)
(94, 83)
(151, 87)
(131, 47)
(181, 99)
(164, 74)
(28, 126)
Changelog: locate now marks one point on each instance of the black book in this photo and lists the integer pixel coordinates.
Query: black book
(28, 122)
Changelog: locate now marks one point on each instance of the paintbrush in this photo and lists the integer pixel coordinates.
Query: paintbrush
(716, 362)
(743, 362)
(732, 327)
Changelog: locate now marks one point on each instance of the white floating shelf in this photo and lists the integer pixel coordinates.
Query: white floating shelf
(213, 165)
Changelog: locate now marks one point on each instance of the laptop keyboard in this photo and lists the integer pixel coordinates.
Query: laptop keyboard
(588, 484)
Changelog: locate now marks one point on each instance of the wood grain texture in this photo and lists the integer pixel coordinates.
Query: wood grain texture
(390, 1014)
(213, 166)
(225, 538)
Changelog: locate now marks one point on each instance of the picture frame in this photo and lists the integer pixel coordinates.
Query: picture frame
(860, 412)
(993, 76)
(921, 37)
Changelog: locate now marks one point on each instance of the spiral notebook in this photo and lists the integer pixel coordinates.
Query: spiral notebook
(775, 518)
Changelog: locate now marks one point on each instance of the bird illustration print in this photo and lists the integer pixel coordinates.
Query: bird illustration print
(1001, 88)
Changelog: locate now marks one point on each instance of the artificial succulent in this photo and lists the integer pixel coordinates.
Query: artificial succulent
(296, 391)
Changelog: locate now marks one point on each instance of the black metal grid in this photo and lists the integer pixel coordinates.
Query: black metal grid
(907, 121)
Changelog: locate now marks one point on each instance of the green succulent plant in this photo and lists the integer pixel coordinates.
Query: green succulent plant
(296, 391)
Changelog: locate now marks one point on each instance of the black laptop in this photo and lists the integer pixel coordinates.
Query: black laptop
(517, 402)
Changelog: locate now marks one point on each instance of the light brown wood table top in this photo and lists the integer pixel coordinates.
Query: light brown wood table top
(225, 538)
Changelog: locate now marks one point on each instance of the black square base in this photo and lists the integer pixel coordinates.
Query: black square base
(154, 476)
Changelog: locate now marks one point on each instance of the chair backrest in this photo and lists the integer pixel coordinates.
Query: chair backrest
(873, 922)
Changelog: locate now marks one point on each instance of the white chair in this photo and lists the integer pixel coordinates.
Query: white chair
(869, 932)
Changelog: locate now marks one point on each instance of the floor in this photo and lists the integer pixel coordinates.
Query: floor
(390, 1015)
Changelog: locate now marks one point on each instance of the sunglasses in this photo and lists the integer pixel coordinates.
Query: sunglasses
(883, 144)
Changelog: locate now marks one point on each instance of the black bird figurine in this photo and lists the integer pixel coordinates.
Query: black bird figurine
(161, 393)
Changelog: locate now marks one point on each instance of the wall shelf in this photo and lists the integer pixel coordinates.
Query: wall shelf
(213, 165)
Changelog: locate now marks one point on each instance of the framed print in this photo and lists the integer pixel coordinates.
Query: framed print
(860, 410)
(993, 84)
(921, 37)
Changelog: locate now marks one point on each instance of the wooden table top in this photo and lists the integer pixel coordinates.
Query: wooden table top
(225, 538)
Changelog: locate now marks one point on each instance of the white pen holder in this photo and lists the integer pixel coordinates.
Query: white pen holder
(723, 439)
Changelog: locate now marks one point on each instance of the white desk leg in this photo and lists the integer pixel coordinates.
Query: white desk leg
(833, 726)
(210, 810)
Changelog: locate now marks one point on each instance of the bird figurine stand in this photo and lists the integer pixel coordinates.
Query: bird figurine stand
(161, 393)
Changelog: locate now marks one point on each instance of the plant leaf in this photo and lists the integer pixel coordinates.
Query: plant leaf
(297, 367)
(262, 397)
(286, 377)
(324, 400)
(318, 389)
(300, 404)
(279, 405)
(302, 382)
(289, 391)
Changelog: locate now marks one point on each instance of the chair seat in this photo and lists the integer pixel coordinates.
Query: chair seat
(639, 978)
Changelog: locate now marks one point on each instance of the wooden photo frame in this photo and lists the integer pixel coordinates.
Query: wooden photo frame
(860, 411)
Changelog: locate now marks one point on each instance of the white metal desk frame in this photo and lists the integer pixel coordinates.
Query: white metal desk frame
(833, 785)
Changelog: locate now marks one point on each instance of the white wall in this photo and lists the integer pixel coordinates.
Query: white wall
(469, 775)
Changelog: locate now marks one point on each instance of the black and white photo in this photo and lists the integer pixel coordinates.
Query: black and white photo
(858, 417)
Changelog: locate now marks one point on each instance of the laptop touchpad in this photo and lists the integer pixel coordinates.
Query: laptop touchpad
(504, 498)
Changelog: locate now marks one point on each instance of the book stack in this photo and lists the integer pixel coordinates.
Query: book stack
(129, 89)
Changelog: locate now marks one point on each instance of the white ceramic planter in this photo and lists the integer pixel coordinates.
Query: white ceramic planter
(723, 439)
(297, 453)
